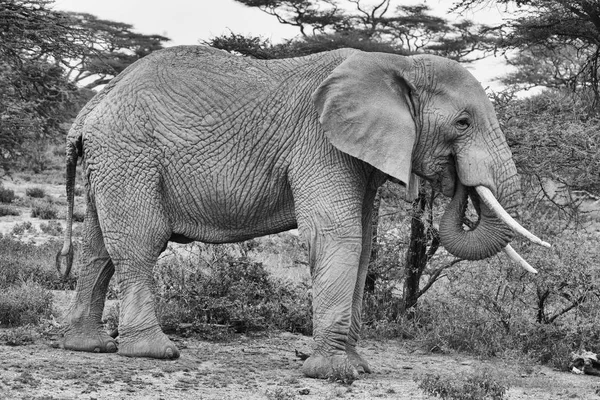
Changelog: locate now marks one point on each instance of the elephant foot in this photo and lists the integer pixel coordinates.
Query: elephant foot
(337, 367)
(356, 359)
(93, 342)
(151, 343)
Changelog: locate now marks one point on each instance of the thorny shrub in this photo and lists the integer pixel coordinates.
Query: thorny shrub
(553, 135)
(281, 393)
(6, 210)
(22, 227)
(25, 304)
(18, 336)
(230, 289)
(78, 215)
(78, 191)
(44, 209)
(52, 228)
(21, 262)
(35, 192)
(491, 306)
(6, 195)
(480, 385)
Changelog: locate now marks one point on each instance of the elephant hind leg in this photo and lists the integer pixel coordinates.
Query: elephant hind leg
(137, 237)
(85, 331)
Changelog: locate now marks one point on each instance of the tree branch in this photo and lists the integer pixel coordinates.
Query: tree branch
(437, 274)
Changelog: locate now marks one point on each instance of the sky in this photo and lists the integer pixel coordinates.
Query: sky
(189, 22)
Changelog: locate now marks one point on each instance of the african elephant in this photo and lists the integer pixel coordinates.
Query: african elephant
(194, 144)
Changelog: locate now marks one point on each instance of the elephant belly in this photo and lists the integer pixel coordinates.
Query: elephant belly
(231, 213)
(219, 233)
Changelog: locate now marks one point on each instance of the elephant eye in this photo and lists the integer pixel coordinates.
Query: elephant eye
(463, 123)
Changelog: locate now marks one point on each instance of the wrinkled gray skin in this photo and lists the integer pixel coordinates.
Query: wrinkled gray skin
(191, 143)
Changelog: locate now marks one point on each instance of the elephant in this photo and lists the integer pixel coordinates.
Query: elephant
(192, 143)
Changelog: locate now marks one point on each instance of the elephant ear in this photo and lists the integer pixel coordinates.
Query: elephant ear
(366, 109)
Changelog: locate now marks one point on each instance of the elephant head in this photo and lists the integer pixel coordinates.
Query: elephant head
(428, 116)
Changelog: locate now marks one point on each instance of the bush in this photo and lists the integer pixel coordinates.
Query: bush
(553, 135)
(35, 192)
(53, 228)
(21, 228)
(25, 304)
(20, 262)
(44, 209)
(552, 344)
(19, 336)
(8, 210)
(480, 385)
(232, 291)
(78, 215)
(111, 319)
(450, 324)
(78, 191)
(493, 307)
(6, 195)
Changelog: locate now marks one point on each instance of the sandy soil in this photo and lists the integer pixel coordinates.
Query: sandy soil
(263, 367)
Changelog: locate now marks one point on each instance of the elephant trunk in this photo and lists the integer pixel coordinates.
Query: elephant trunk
(486, 237)
(491, 233)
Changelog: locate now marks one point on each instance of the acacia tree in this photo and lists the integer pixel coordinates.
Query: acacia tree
(260, 48)
(35, 97)
(37, 44)
(558, 42)
(30, 30)
(387, 25)
(108, 48)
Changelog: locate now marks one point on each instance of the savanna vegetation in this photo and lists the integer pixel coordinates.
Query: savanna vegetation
(51, 61)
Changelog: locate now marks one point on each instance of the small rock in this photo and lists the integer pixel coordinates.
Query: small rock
(304, 391)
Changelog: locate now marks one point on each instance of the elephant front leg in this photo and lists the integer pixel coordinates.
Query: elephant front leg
(355, 326)
(356, 323)
(334, 263)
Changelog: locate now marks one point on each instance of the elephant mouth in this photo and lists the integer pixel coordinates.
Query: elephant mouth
(492, 231)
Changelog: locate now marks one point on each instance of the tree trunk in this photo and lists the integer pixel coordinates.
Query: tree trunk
(373, 272)
(416, 256)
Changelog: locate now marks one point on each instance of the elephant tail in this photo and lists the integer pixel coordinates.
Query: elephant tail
(73, 152)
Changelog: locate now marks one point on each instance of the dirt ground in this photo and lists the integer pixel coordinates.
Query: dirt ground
(262, 367)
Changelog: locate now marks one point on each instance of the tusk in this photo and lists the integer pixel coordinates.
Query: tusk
(488, 198)
(514, 256)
